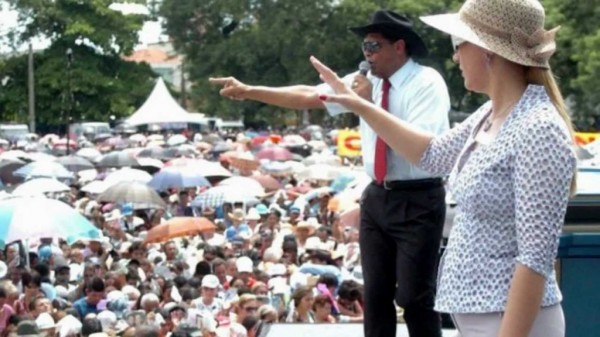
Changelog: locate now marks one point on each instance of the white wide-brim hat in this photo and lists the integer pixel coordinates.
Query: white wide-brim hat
(513, 29)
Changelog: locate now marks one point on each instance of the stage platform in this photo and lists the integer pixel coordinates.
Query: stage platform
(331, 330)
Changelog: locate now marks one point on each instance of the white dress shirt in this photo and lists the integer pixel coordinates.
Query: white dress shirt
(419, 96)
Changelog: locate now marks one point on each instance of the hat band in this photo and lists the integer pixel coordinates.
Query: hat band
(537, 47)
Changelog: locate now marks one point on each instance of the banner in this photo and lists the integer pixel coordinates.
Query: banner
(584, 138)
(348, 143)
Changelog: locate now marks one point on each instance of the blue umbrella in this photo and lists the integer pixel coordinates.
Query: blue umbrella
(45, 169)
(178, 177)
(38, 217)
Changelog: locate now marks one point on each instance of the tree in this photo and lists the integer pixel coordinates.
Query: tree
(577, 61)
(102, 84)
(269, 42)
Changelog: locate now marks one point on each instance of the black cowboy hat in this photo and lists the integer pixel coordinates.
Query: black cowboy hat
(394, 26)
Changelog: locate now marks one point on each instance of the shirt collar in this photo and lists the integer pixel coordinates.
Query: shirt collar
(401, 75)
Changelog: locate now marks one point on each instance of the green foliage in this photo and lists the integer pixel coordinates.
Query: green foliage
(101, 83)
(577, 61)
(273, 39)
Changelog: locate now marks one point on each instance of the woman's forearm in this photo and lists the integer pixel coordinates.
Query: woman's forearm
(524, 301)
(406, 140)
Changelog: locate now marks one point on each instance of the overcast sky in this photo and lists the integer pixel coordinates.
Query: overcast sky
(150, 33)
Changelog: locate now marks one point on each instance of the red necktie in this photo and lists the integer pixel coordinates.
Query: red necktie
(380, 146)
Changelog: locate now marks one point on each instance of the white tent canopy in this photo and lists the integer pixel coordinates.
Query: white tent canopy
(159, 108)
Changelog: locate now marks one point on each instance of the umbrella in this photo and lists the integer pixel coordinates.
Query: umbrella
(178, 227)
(178, 177)
(127, 174)
(7, 167)
(221, 147)
(322, 159)
(89, 153)
(275, 153)
(186, 150)
(208, 168)
(217, 196)
(140, 195)
(75, 163)
(248, 185)
(95, 187)
(138, 138)
(149, 165)
(293, 140)
(278, 168)
(40, 156)
(258, 140)
(40, 185)
(176, 140)
(117, 159)
(47, 169)
(244, 161)
(268, 182)
(152, 152)
(320, 172)
(38, 217)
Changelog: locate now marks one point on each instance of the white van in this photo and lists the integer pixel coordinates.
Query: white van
(14, 132)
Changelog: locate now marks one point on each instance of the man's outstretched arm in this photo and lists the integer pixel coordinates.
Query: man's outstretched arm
(291, 97)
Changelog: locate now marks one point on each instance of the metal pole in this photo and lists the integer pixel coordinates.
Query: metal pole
(70, 98)
(31, 91)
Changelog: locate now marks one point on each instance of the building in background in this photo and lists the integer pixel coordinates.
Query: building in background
(165, 61)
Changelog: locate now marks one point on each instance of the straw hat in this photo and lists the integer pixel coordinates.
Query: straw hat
(513, 29)
(311, 225)
(237, 214)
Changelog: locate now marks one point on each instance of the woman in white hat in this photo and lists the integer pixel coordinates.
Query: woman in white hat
(511, 166)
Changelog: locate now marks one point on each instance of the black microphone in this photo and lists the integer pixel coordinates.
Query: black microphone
(364, 67)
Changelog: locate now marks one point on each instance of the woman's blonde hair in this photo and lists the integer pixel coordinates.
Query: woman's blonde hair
(545, 77)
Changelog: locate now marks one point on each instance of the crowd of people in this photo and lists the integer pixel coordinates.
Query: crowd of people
(287, 258)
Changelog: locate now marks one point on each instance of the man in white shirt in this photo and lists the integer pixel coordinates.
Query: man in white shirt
(402, 211)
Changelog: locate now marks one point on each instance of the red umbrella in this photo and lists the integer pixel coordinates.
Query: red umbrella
(276, 153)
(268, 182)
(258, 140)
(178, 227)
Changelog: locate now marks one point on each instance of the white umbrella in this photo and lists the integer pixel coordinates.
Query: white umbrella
(177, 140)
(48, 169)
(320, 172)
(248, 185)
(127, 175)
(40, 156)
(89, 153)
(40, 185)
(95, 187)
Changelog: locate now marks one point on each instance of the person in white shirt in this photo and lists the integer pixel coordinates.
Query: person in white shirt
(208, 303)
(402, 210)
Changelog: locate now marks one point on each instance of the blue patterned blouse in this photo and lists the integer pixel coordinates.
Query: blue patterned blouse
(512, 196)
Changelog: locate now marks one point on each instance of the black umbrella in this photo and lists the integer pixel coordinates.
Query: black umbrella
(118, 159)
(75, 163)
(140, 195)
(7, 167)
(152, 152)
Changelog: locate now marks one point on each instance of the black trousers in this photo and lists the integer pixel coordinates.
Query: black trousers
(400, 237)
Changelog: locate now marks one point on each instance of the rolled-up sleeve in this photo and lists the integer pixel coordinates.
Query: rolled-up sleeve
(545, 164)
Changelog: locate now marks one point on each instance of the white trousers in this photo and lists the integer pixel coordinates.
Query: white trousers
(550, 322)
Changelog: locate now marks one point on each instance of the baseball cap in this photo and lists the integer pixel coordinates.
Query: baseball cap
(210, 281)
(244, 264)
